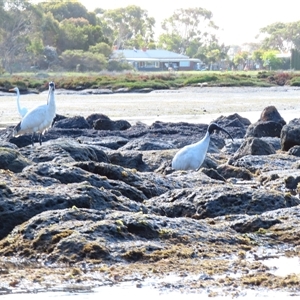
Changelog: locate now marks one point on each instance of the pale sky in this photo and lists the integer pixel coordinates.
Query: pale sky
(239, 20)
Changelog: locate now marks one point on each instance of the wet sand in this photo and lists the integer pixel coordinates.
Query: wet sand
(194, 105)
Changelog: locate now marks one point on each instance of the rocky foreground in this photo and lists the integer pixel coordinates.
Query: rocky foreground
(98, 203)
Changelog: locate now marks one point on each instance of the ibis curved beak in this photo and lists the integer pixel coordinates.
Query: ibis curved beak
(226, 132)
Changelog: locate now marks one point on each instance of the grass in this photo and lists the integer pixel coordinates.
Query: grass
(142, 80)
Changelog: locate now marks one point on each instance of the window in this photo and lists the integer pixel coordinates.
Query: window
(184, 63)
(149, 64)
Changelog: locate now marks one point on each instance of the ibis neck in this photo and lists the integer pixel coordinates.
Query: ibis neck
(205, 139)
(51, 103)
(18, 100)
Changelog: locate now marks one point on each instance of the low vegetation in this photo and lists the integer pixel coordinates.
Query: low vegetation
(136, 80)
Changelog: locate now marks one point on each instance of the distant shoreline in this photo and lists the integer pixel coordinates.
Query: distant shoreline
(189, 104)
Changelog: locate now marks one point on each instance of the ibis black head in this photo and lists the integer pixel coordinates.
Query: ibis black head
(51, 85)
(214, 126)
(17, 128)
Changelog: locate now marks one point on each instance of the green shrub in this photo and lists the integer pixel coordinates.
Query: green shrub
(295, 81)
(198, 79)
(82, 61)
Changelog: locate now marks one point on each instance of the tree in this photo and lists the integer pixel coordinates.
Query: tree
(35, 51)
(78, 34)
(82, 61)
(17, 32)
(171, 42)
(257, 56)
(71, 37)
(49, 29)
(212, 53)
(241, 58)
(102, 48)
(270, 60)
(66, 9)
(188, 26)
(128, 27)
(281, 36)
(74, 27)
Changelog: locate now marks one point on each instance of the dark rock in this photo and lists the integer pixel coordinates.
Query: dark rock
(106, 143)
(136, 186)
(129, 159)
(253, 224)
(269, 124)
(23, 140)
(279, 163)
(112, 196)
(232, 146)
(11, 159)
(213, 174)
(270, 113)
(24, 203)
(77, 235)
(205, 202)
(262, 129)
(94, 117)
(74, 122)
(295, 151)
(274, 141)
(104, 124)
(66, 150)
(291, 182)
(58, 118)
(290, 135)
(228, 171)
(254, 146)
(146, 144)
(4, 144)
(234, 120)
(234, 124)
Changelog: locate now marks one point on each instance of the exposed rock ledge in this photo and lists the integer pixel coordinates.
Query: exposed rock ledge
(100, 196)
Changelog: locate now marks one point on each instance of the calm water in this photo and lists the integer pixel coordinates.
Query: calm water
(138, 294)
(281, 266)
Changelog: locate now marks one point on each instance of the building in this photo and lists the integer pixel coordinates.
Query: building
(157, 60)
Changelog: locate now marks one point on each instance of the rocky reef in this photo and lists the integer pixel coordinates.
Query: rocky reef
(100, 197)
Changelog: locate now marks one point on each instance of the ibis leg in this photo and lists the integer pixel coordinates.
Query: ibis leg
(40, 139)
(32, 139)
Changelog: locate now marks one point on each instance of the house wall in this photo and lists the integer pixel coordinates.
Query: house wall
(154, 66)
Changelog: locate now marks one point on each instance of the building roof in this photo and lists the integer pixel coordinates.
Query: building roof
(146, 54)
(151, 55)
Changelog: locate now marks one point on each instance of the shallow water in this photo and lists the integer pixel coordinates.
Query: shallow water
(128, 291)
(170, 287)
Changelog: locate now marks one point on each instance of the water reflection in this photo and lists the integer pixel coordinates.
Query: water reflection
(134, 293)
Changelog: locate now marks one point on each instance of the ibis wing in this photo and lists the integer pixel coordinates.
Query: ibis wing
(33, 118)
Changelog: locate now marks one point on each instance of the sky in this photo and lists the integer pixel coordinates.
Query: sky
(239, 20)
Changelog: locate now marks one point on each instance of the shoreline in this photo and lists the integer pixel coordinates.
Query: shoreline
(192, 105)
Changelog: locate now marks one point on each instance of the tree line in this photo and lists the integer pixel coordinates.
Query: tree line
(64, 35)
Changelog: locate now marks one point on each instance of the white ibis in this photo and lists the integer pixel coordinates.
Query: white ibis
(39, 119)
(22, 110)
(191, 157)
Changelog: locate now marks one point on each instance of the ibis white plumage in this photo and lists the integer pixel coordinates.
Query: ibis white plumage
(191, 157)
(39, 119)
(22, 110)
